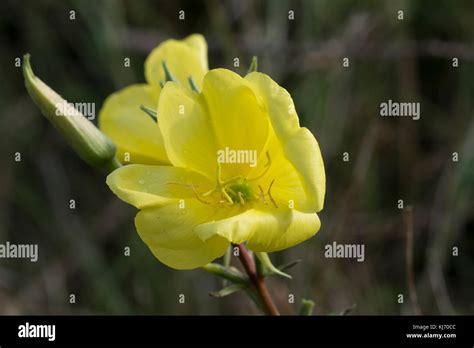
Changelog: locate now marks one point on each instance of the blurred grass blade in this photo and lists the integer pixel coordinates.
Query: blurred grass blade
(289, 265)
(307, 307)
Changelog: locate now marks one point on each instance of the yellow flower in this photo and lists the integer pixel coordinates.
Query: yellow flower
(242, 170)
(135, 134)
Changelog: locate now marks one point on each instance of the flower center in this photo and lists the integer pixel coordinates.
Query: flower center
(239, 191)
(236, 190)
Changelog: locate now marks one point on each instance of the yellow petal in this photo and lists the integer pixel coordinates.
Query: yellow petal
(206, 252)
(184, 58)
(264, 228)
(145, 186)
(285, 183)
(198, 43)
(281, 108)
(169, 233)
(298, 144)
(187, 130)
(302, 150)
(170, 212)
(238, 117)
(131, 129)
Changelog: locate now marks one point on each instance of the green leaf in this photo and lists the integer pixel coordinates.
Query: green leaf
(228, 290)
(265, 260)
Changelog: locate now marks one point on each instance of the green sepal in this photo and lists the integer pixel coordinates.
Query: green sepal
(228, 290)
(229, 273)
(253, 65)
(168, 74)
(265, 260)
(150, 112)
(193, 84)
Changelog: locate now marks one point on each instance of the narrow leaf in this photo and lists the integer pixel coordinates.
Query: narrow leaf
(230, 273)
(265, 260)
(228, 290)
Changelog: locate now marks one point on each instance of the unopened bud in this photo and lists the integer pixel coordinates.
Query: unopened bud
(85, 138)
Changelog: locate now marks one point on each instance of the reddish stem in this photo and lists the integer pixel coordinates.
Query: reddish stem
(258, 282)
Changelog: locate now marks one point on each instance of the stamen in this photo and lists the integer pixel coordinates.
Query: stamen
(262, 195)
(219, 173)
(266, 166)
(241, 197)
(226, 195)
(270, 194)
(197, 195)
(219, 176)
(193, 188)
(235, 178)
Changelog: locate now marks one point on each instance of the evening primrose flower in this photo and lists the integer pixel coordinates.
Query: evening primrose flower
(192, 209)
(136, 135)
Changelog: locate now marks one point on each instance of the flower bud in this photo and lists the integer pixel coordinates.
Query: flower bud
(86, 139)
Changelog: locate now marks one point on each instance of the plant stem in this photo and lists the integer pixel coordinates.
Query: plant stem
(257, 282)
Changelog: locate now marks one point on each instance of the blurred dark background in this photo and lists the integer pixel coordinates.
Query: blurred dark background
(81, 251)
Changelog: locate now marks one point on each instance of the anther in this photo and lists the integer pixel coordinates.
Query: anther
(270, 193)
(197, 195)
(262, 195)
(226, 196)
(241, 198)
(193, 188)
